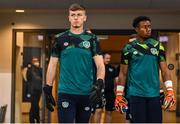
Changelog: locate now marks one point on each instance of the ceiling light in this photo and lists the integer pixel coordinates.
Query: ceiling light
(19, 10)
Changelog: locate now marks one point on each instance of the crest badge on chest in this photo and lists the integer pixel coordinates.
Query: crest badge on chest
(86, 44)
(154, 51)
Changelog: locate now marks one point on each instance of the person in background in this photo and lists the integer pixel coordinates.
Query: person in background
(109, 95)
(75, 50)
(33, 77)
(140, 63)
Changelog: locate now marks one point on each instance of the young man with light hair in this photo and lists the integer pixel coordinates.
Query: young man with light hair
(75, 50)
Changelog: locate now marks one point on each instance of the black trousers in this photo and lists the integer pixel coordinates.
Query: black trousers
(34, 110)
(145, 109)
(73, 108)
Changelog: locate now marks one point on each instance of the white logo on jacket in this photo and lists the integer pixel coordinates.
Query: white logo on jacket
(111, 69)
(87, 108)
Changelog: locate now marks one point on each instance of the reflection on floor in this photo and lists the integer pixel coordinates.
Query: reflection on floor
(168, 117)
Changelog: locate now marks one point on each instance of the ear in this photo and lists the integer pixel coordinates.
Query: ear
(85, 18)
(69, 18)
(136, 29)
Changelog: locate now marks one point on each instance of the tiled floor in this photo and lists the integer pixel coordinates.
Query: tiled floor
(168, 117)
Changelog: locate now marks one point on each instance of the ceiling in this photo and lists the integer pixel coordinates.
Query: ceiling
(116, 5)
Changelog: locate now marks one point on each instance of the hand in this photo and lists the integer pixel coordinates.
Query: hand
(50, 102)
(121, 104)
(97, 91)
(169, 100)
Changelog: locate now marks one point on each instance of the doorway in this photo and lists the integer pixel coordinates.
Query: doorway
(29, 46)
(37, 43)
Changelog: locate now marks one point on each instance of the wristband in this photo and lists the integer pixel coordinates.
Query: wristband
(119, 90)
(168, 85)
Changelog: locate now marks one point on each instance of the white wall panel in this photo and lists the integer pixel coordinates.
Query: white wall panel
(5, 93)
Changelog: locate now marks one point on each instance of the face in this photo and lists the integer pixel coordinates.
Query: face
(36, 64)
(107, 58)
(77, 18)
(144, 29)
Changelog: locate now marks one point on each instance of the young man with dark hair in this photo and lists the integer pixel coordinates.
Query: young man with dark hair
(76, 49)
(140, 63)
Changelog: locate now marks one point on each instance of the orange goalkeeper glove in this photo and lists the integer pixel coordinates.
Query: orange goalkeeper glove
(169, 100)
(121, 104)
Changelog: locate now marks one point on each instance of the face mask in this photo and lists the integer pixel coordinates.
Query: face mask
(36, 64)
